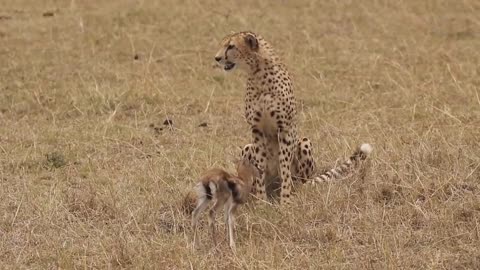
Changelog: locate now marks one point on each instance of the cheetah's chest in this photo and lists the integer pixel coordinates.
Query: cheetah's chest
(261, 113)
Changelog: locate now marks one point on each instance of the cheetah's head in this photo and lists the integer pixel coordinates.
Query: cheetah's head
(236, 50)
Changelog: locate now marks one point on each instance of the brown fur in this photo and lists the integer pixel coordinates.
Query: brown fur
(270, 110)
(222, 189)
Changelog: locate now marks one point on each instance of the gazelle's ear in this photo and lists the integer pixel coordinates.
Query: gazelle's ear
(246, 162)
(237, 162)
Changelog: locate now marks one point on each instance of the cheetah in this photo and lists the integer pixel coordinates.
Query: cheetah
(270, 111)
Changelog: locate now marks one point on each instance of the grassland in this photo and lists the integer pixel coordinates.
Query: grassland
(90, 177)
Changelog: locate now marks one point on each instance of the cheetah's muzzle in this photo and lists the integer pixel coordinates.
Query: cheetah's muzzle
(229, 66)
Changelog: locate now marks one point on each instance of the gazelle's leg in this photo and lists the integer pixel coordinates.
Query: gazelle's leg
(211, 220)
(201, 206)
(231, 223)
(225, 215)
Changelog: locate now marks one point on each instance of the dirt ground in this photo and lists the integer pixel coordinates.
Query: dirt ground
(110, 110)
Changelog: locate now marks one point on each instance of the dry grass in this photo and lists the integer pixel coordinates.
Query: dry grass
(90, 177)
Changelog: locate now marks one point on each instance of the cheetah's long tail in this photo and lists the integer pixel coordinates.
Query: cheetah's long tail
(360, 154)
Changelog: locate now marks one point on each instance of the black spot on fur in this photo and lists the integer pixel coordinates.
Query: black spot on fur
(208, 191)
(285, 141)
(234, 189)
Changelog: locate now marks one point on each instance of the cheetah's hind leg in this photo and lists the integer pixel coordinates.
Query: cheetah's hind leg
(303, 162)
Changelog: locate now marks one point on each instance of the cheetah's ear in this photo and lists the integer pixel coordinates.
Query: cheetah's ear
(251, 41)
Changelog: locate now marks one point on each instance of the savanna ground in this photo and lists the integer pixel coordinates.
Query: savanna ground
(92, 178)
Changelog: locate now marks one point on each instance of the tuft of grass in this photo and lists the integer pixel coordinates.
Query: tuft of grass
(55, 160)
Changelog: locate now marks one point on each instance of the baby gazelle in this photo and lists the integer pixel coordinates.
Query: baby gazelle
(223, 189)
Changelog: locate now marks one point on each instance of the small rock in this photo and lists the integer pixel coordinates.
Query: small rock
(48, 14)
(168, 122)
(136, 57)
(204, 124)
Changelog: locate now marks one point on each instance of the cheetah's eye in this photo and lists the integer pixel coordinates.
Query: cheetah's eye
(231, 46)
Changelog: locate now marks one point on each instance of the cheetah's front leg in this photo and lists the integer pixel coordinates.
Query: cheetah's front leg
(248, 153)
(259, 155)
(286, 143)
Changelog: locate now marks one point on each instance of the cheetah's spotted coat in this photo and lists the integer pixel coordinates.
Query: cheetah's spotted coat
(270, 110)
